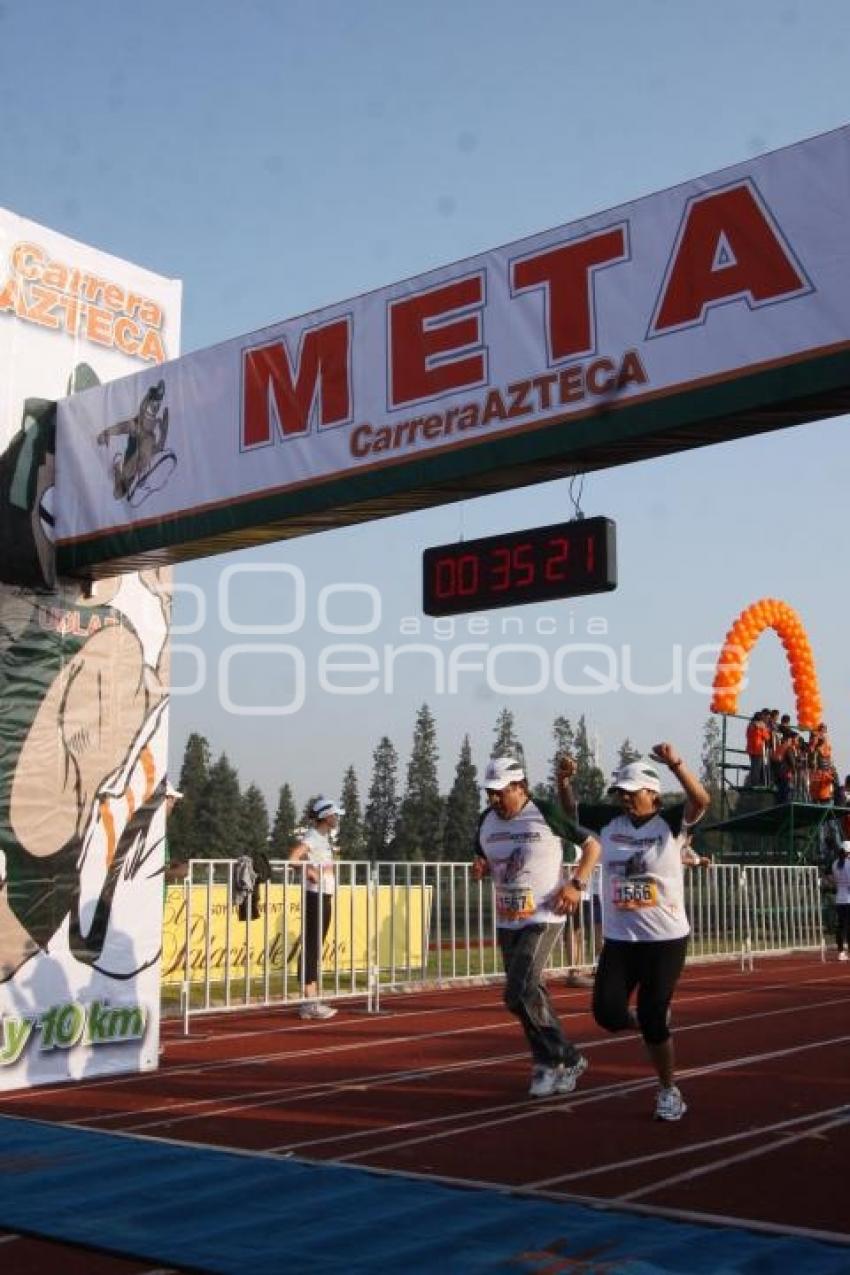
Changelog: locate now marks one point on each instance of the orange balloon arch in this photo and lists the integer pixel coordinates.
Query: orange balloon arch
(768, 613)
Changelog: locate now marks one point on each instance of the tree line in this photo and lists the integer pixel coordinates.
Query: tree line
(218, 820)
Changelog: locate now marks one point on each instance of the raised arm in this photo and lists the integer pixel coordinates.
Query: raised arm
(590, 849)
(696, 797)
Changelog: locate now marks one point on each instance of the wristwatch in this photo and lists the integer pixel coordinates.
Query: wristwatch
(577, 884)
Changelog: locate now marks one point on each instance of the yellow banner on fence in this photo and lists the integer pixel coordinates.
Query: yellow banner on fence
(219, 941)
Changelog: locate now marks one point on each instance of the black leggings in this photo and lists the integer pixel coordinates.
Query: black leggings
(842, 926)
(310, 944)
(654, 969)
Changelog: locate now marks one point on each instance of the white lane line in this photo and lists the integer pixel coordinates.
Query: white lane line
(194, 1069)
(293, 1092)
(492, 1006)
(198, 1068)
(602, 1204)
(175, 1113)
(222, 1105)
(584, 1098)
(742, 1156)
(596, 1044)
(688, 1148)
(9, 1239)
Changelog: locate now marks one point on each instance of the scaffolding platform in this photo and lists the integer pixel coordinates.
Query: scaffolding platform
(781, 832)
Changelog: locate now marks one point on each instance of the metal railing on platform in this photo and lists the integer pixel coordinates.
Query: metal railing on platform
(399, 925)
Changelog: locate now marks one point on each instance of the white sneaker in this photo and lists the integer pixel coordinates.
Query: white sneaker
(314, 1009)
(568, 1077)
(669, 1105)
(544, 1081)
(842, 956)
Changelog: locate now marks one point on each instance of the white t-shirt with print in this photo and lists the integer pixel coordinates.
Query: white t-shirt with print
(642, 879)
(526, 855)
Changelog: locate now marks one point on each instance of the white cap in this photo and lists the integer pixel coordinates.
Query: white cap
(323, 808)
(636, 775)
(502, 771)
(171, 791)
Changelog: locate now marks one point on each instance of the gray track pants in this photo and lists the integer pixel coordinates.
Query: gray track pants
(525, 953)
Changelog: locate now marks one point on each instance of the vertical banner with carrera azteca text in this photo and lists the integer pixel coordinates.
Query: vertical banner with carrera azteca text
(83, 687)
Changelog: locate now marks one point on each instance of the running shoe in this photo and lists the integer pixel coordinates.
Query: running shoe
(313, 1009)
(669, 1105)
(544, 1081)
(842, 956)
(568, 1077)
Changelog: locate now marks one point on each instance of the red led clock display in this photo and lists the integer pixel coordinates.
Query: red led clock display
(565, 560)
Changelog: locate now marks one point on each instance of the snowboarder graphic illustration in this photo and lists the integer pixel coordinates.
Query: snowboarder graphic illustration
(145, 465)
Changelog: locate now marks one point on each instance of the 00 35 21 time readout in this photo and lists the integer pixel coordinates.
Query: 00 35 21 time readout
(559, 561)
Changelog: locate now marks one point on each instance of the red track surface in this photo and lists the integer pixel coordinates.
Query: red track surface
(437, 1087)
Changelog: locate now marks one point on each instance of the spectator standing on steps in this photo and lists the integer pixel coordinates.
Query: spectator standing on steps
(758, 741)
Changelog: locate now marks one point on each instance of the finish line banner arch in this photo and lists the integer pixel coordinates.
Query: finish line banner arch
(706, 312)
(768, 613)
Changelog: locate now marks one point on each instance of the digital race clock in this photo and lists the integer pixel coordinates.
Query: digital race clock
(562, 561)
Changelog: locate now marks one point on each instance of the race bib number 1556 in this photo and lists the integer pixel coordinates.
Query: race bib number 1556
(635, 892)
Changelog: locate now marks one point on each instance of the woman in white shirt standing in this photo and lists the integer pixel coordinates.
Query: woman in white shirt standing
(841, 880)
(316, 851)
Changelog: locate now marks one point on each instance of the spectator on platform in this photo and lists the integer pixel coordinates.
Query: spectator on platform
(316, 851)
(758, 741)
(645, 925)
(520, 845)
(820, 748)
(822, 775)
(786, 760)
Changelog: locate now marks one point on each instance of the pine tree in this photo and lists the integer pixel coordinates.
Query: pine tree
(462, 808)
(254, 822)
(419, 833)
(382, 806)
(352, 841)
(184, 836)
(218, 813)
(284, 822)
(627, 752)
(506, 743)
(589, 781)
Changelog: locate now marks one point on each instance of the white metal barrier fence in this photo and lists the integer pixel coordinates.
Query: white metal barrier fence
(407, 924)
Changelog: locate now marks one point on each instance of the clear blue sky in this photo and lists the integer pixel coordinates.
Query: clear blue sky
(279, 156)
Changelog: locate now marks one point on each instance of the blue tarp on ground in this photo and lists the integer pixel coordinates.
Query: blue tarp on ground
(231, 1212)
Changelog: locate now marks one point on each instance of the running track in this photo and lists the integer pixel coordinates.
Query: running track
(435, 1086)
